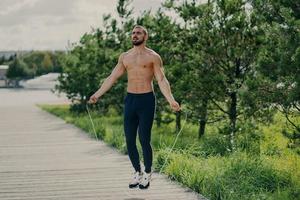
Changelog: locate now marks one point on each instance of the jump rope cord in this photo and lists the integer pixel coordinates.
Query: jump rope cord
(90, 117)
(173, 143)
(88, 111)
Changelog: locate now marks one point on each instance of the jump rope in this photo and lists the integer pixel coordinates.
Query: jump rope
(170, 151)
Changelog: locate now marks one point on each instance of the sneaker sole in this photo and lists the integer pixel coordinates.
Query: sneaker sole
(133, 186)
(144, 187)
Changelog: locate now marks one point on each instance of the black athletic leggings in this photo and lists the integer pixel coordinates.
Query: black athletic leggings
(138, 115)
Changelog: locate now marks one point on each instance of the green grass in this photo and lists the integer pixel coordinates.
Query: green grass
(236, 177)
(205, 165)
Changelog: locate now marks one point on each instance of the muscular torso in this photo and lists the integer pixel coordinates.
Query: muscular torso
(140, 73)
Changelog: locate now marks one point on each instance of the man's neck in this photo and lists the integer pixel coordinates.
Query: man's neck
(139, 49)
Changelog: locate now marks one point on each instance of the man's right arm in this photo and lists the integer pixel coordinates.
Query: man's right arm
(117, 72)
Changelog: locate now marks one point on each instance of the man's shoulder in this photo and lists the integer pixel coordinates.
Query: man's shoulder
(152, 53)
(124, 53)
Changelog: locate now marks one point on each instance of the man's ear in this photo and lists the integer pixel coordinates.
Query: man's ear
(146, 37)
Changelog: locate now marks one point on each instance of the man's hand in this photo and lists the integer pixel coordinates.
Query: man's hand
(93, 99)
(175, 106)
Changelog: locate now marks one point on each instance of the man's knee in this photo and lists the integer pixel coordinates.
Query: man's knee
(145, 142)
(130, 141)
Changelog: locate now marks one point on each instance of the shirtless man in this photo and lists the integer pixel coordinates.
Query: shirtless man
(142, 65)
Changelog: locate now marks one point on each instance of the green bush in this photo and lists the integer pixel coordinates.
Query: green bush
(115, 138)
(248, 176)
(215, 144)
(272, 150)
(249, 138)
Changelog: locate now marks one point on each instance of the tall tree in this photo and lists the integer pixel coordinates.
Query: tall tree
(279, 59)
(229, 38)
(187, 59)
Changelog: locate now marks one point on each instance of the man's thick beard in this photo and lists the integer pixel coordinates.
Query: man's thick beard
(138, 43)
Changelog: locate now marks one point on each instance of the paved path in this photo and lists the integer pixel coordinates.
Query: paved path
(42, 157)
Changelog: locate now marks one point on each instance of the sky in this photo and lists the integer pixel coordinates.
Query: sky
(51, 24)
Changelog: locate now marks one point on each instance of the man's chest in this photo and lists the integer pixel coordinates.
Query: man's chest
(138, 62)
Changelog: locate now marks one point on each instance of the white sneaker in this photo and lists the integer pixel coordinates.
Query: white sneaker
(136, 179)
(145, 182)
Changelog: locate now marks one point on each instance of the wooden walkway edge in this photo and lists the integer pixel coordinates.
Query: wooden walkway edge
(42, 157)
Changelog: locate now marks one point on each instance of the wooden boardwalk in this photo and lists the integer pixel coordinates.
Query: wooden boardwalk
(42, 157)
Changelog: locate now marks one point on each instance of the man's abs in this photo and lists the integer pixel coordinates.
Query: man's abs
(139, 86)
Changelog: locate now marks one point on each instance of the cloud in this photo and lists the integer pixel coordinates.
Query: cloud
(29, 11)
(139, 6)
(8, 6)
(50, 24)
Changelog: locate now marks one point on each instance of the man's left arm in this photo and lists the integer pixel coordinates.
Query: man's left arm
(163, 83)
